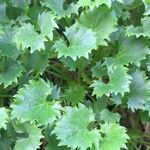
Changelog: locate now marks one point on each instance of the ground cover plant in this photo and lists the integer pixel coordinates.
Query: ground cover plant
(74, 74)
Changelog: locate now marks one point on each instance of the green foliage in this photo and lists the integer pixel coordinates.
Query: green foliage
(57, 7)
(47, 24)
(129, 47)
(74, 74)
(7, 47)
(10, 71)
(140, 30)
(76, 133)
(99, 20)
(35, 42)
(115, 137)
(139, 97)
(108, 116)
(3, 117)
(21, 4)
(30, 103)
(80, 43)
(92, 4)
(119, 82)
(32, 141)
(75, 93)
(52, 141)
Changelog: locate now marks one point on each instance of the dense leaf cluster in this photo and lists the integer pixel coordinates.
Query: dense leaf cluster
(74, 74)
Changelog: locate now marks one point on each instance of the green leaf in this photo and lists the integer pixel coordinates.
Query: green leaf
(21, 38)
(138, 31)
(147, 63)
(120, 11)
(36, 62)
(101, 21)
(129, 52)
(85, 3)
(147, 107)
(3, 17)
(98, 70)
(57, 6)
(114, 138)
(98, 105)
(55, 94)
(30, 103)
(74, 94)
(5, 141)
(139, 97)
(92, 4)
(53, 144)
(116, 99)
(75, 121)
(81, 42)
(1, 31)
(52, 141)
(90, 50)
(147, 6)
(119, 82)
(107, 2)
(109, 116)
(144, 117)
(69, 63)
(32, 141)
(72, 65)
(47, 24)
(3, 118)
(10, 70)
(21, 3)
(7, 47)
